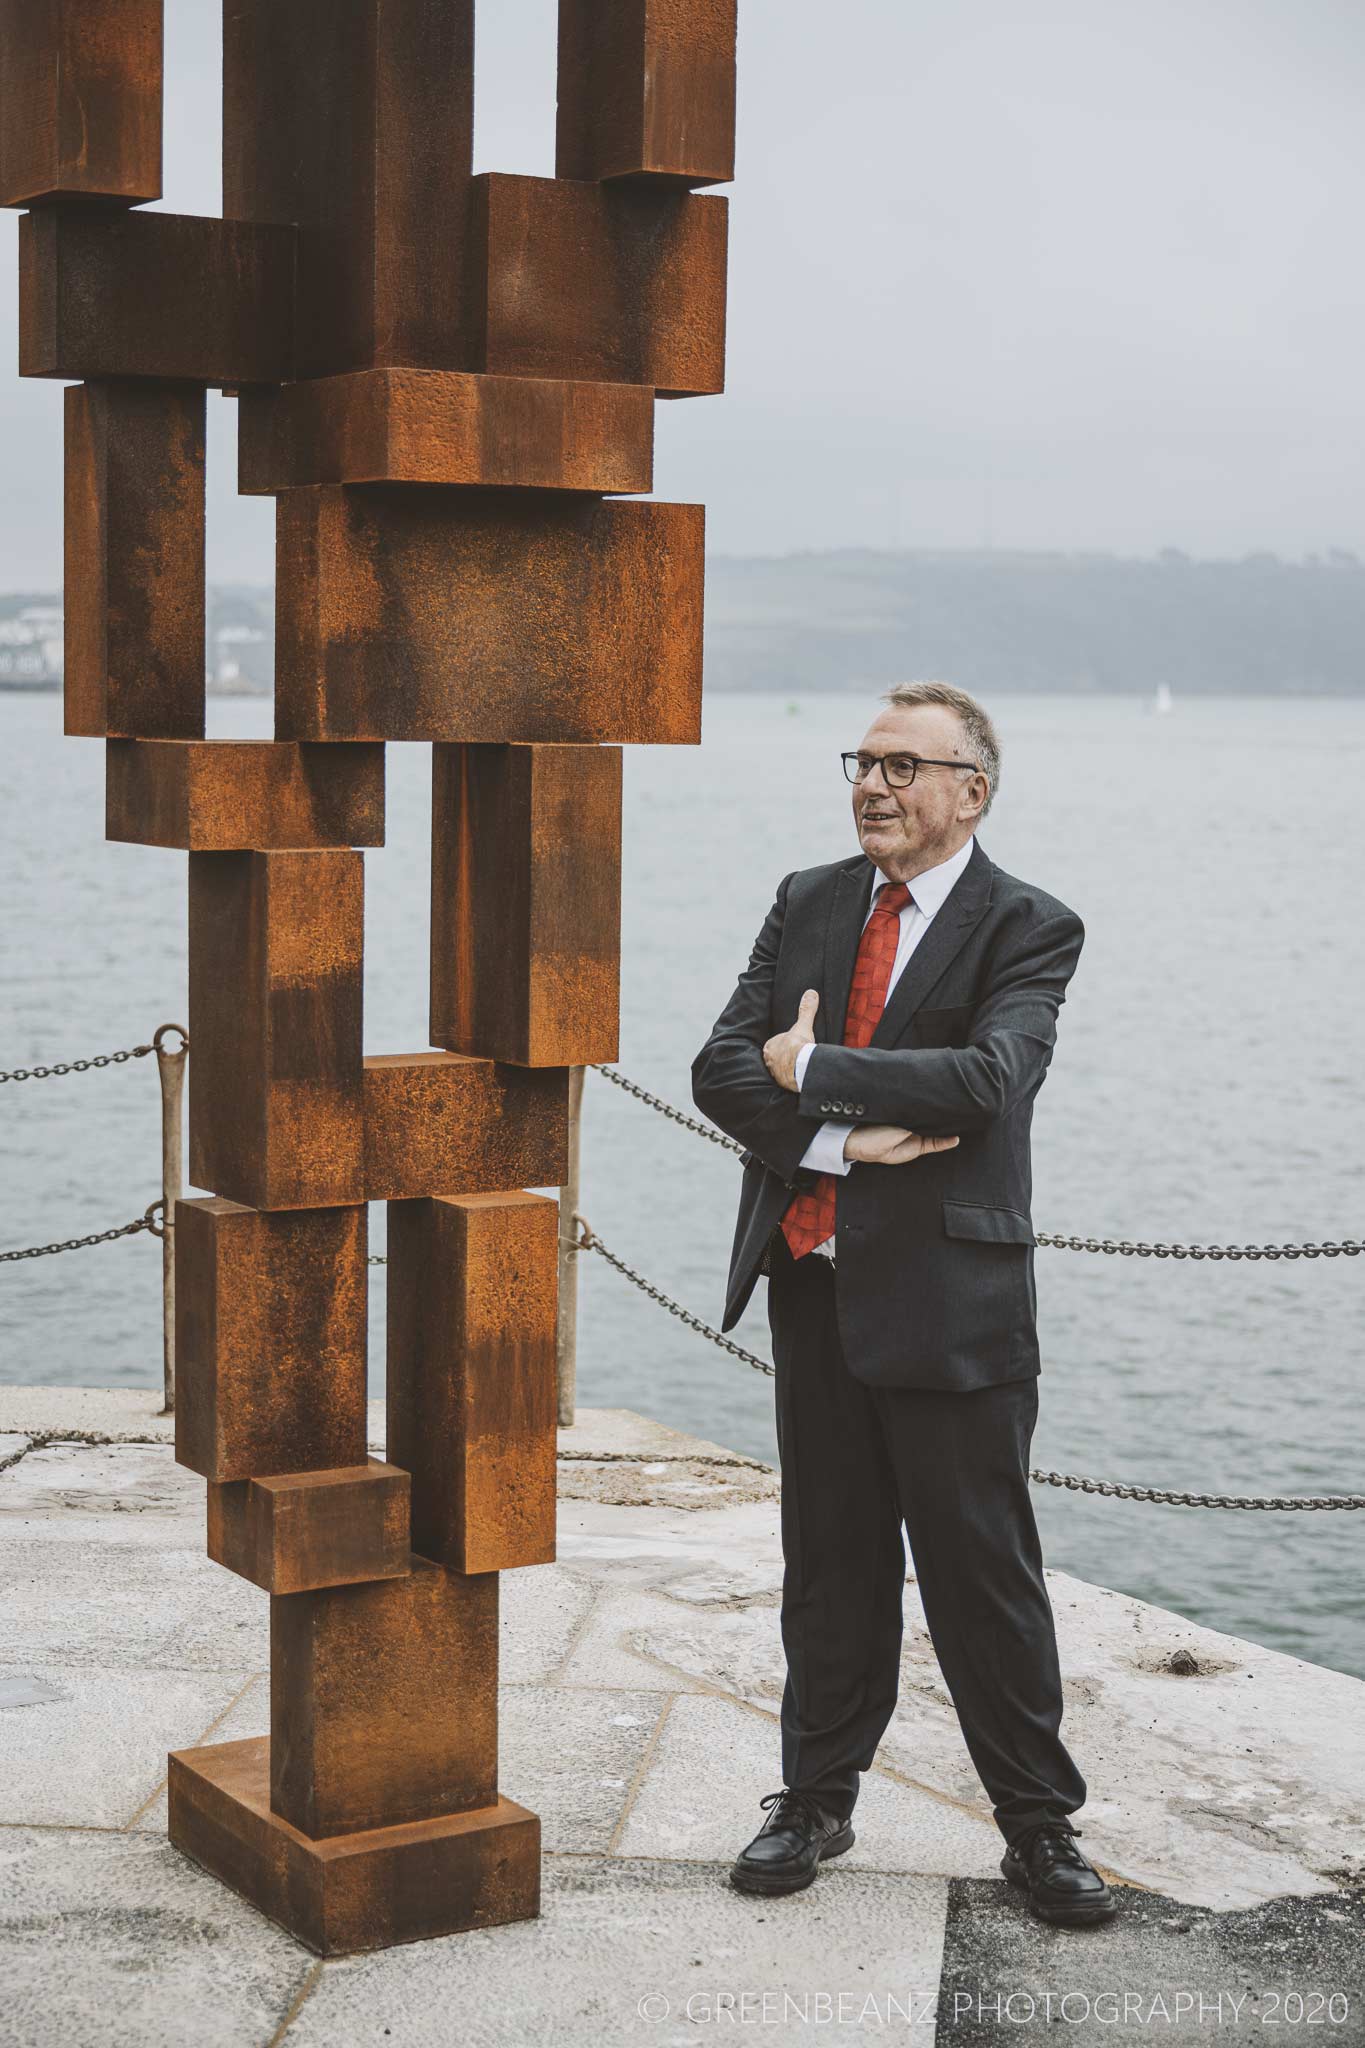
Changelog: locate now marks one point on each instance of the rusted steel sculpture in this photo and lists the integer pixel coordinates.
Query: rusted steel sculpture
(446, 382)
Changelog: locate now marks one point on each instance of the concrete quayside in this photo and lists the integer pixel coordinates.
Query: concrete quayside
(640, 1680)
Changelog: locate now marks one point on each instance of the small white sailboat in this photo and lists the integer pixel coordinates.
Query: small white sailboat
(1164, 701)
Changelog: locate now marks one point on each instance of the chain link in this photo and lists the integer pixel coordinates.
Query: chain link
(1123, 1247)
(689, 1123)
(588, 1241)
(146, 1221)
(100, 1059)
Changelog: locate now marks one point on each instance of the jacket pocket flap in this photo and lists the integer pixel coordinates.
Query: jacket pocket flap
(950, 1026)
(985, 1222)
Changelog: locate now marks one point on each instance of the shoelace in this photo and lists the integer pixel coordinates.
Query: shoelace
(1057, 1836)
(803, 1806)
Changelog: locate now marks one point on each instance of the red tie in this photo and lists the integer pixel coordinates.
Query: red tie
(810, 1219)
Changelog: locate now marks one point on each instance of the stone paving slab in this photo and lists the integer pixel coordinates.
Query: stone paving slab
(117, 1940)
(85, 1746)
(715, 1759)
(616, 1932)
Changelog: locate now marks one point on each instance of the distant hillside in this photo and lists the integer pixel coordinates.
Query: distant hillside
(997, 621)
(991, 621)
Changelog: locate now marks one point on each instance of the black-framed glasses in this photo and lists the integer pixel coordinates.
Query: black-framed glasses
(898, 770)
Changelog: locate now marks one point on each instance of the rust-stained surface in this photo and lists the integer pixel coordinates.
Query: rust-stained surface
(213, 796)
(480, 1868)
(171, 296)
(447, 427)
(357, 122)
(269, 1338)
(647, 89)
(80, 100)
(298, 1531)
(134, 554)
(574, 279)
(276, 1111)
(471, 1375)
(526, 903)
(448, 383)
(440, 1124)
(384, 1701)
(500, 615)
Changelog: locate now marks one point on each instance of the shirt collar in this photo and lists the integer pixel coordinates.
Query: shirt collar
(929, 890)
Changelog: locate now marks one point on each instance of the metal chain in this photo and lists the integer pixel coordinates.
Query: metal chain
(146, 1221)
(588, 1241)
(99, 1059)
(689, 1123)
(1349, 1248)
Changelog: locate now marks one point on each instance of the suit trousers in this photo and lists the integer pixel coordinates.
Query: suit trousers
(858, 1462)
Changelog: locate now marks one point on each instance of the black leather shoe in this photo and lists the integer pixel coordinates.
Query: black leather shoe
(793, 1842)
(1061, 1885)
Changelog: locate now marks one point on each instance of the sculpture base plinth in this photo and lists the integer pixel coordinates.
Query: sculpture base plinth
(351, 1892)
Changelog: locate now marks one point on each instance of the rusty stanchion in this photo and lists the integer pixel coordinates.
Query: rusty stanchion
(566, 1326)
(171, 1073)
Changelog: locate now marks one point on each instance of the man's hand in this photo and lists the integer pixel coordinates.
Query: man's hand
(889, 1145)
(779, 1054)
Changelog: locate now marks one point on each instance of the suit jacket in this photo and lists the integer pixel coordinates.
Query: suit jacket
(934, 1274)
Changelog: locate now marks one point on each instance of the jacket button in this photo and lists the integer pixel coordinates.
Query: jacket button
(825, 1108)
(860, 1111)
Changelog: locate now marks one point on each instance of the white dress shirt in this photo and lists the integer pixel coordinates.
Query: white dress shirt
(928, 892)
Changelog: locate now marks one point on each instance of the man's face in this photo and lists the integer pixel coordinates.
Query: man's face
(907, 830)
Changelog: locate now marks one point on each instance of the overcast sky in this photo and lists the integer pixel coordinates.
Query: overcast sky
(1079, 275)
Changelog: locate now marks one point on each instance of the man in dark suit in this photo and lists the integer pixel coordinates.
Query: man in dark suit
(879, 1059)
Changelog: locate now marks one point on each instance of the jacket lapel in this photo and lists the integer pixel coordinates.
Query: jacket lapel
(852, 894)
(961, 912)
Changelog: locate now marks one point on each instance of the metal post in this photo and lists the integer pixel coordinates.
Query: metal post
(566, 1332)
(171, 1071)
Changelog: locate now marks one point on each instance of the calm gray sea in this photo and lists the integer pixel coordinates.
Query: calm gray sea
(1207, 1086)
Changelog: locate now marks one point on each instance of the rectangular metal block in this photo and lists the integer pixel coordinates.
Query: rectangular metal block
(168, 296)
(80, 100)
(134, 553)
(351, 1892)
(526, 903)
(447, 427)
(471, 1395)
(438, 1124)
(498, 615)
(647, 90)
(227, 795)
(572, 279)
(356, 122)
(298, 1531)
(276, 1090)
(384, 1701)
(270, 1340)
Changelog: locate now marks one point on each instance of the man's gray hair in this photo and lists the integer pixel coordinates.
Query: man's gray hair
(983, 742)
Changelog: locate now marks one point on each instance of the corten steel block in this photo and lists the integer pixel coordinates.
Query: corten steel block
(446, 427)
(647, 89)
(436, 1123)
(276, 1090)
(571, 279)
(384, 1701)
(80, 100)
(134, 549)
(471, 1375)
(351, 1892)
(269, 1339)
(526, 903)
(357, 123)
(169, 296)
(462, 615)
(298, 1531)
(224, 795)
